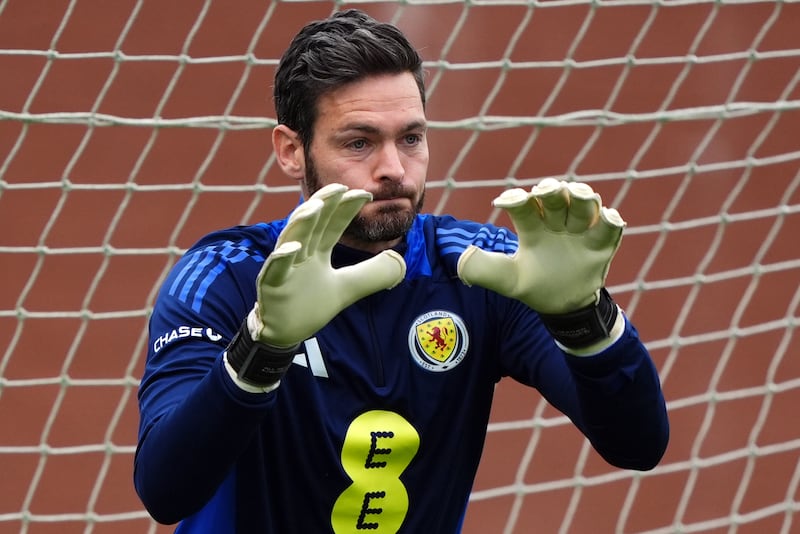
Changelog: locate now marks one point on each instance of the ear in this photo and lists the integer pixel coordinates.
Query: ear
(289, 151)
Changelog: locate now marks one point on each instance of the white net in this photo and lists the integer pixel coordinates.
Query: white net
(129, 129)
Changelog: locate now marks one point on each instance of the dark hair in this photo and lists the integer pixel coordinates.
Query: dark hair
(327, 54)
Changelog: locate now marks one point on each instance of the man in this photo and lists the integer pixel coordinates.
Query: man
(333, 371)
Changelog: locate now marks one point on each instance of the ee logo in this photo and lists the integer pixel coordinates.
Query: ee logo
(378, 447)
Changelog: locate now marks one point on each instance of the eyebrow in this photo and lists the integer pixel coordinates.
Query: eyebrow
(370, 129)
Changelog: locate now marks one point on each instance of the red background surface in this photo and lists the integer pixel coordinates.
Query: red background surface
(97, 202)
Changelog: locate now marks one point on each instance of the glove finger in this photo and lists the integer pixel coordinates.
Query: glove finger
(553, 198)
(382, 271)
(330, 195)
(276, 269)
(584, 208)
(300, 226)
(607, 233)
(524, 212)
(511, 198)
(492, 270)
(346, 209)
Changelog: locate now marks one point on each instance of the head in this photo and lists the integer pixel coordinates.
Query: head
(350, 101)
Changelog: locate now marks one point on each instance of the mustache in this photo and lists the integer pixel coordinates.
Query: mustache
(392, 190)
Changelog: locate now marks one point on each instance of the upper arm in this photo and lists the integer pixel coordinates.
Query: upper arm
(197, 312)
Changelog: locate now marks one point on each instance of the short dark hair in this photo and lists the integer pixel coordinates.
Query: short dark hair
(327, 54)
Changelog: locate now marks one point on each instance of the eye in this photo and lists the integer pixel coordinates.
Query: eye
(413, 139)
(357, 144)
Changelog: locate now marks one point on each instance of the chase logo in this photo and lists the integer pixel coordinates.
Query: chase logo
(183, 332)
(438, 340)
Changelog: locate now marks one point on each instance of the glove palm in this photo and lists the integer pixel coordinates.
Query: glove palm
(567, 240)
(299, 291)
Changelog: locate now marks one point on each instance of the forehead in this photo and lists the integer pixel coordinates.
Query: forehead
(376, 100)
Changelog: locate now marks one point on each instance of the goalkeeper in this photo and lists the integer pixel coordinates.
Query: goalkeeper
(333, 371)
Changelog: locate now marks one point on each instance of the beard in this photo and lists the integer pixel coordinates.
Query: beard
(387, 223)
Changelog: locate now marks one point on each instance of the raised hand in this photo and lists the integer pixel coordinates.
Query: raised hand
(567, 240)
(299, 291)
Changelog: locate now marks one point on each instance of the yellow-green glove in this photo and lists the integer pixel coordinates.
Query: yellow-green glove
(567, 240)
(299, 291)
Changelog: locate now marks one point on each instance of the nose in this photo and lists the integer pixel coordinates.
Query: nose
(389, 165)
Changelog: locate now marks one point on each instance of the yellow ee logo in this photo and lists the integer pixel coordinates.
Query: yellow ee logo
(378, 447)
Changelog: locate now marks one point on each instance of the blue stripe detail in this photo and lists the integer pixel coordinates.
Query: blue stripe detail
(463, 232)
(200, 266)
(204, 266)
(178, 279)
(452, 250)
(489, 238)
(230, 254)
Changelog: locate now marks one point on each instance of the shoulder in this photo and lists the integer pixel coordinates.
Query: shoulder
(443, 238)
(452, 236)
(253, 240)
(455, 235)
(224, 261)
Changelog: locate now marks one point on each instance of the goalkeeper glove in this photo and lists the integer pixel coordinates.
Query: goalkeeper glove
(567, 240)
(299, 291)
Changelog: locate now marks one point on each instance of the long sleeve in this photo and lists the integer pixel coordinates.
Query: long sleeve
(184, 455)
(194, 421)
(614, 397)
(622, 408)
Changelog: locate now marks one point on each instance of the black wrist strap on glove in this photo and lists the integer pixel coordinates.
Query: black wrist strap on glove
(585, 326)
(255, 363)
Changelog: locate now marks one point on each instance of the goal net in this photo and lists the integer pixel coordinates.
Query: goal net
(129, 129)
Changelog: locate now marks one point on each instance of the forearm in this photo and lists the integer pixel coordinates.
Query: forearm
(184, 456)
(622, 407)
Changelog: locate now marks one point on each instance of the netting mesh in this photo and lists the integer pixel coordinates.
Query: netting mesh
(128, 129)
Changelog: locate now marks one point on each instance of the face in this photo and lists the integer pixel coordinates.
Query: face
(371, 135)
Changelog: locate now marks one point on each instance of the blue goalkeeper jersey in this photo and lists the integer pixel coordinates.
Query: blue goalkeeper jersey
(379, 424)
